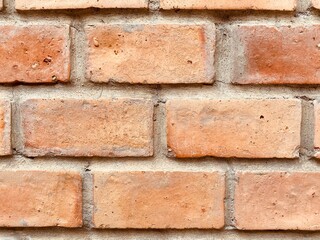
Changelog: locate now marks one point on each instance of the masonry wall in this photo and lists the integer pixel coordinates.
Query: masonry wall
(159, 119)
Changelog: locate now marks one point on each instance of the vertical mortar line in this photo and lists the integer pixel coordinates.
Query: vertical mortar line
(16, 125)
(154, 5)
(303, 5)
(160, 147)
(307, 131)
(9, 7)
(229, 200)
(87, 198)
(76, 51)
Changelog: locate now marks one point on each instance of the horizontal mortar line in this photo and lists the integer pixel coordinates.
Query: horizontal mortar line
(235, 17)
(37, 232)
(25, 92)
(21, 163)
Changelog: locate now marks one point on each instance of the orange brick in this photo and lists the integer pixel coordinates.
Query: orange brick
(34, 54)
(40, 199)
(5, 128)
(151, 54)
(251, 128)
(109, 128)
(277, 201)
(283, 5)
(61, 4)
(276, 55)
(158, 200)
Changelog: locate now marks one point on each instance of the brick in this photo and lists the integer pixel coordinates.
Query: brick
(70, 127)
(284, 5)
(276, 55)
(79, 4)
(34, 54)
(158, 200)
(151, 53)
(5, 128)
(277, 201)
(316, 3)
(251, 128)
(40, 199)
(317, 128)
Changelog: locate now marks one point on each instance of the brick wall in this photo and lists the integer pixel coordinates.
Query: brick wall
(159, 119)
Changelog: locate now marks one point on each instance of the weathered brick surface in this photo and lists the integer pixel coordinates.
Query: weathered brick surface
(234, 128)
(109, 128)
(284, 5)
(60, 4)
(276, 55)
(40, 199)
(158, 200)
(159, 106)
(34, 53)
(5, 128)
(151, 53)
(277, 201)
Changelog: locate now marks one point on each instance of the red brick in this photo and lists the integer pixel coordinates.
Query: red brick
(151, 53)
(158, 200)
(316, 3)
(34, 54)
(283, 5)
(317, 128)
(277, 201)
(109, 128)
(276, 55)
(251, 128)
(40, 199)
(5, 128)
(61, 4)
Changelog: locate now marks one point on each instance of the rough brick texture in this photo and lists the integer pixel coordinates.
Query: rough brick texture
(158, 200)
(70, 127)
(159, 119)
(5, 128)
(34, 53)
(151, 53)
(276, 55)
(273, 201)
(283, 5)
(61, 4)
(40, 199)
(234, 128)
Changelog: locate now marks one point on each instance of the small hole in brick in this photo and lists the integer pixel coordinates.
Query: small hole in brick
(96, 42)
(261, 117)
(189, 61)
(47, 60)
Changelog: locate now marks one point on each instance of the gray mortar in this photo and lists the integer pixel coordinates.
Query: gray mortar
(81, 88)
